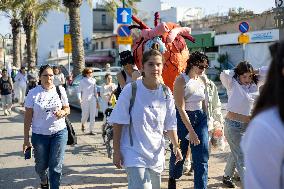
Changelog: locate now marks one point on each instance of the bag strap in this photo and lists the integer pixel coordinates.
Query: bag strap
(58, 92)
(165, 90)
(132, 100)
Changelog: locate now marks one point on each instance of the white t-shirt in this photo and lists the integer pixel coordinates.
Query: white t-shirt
(44, 103)
(241, 98)
(59, 79)
(106, 91)
(263, 147)
(88, 89)
(194, 92)
(21, 79)
(152, 113)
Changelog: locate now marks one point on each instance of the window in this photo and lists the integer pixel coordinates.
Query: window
(113, 44)
(103, 19)
(102, 45)
(97, 46)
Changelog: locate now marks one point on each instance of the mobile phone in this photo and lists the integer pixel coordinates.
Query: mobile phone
(28, 153)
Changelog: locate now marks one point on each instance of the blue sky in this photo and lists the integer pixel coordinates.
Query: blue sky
(213, 6)
(209, 6)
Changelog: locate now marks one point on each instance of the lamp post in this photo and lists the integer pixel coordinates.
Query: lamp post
(4, 37)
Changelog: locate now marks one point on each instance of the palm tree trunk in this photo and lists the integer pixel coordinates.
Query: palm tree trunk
(16, 29)
(30, 54)
(77, 41)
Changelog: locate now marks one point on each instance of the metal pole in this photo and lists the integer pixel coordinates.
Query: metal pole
(4, 52)
(69, 64)
(244, 49)
(123, 3)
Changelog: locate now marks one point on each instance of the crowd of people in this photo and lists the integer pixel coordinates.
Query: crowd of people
(147, 112)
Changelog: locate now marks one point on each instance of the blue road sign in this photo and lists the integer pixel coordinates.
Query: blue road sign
(66, 29)
(123, 31)
(124, 15)
(244, 27)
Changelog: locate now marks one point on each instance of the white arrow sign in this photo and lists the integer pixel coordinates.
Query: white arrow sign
(124, 15)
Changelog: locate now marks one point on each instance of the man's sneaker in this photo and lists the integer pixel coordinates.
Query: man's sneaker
(227, 181)
(186, 166)
(172, 183)
(5, 113)
(9, 112)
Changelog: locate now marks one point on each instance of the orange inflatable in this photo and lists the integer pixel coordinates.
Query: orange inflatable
(170, 39)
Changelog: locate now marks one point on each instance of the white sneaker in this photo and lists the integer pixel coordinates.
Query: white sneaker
(9, 112)
(5, 112)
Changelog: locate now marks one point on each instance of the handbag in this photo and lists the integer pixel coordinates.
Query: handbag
(72, 139)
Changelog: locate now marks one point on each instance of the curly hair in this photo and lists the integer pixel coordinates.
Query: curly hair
(242, 68)
(194, 59)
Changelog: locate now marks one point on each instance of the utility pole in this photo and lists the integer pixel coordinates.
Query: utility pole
(279, 17)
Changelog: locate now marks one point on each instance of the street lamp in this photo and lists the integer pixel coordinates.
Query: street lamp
(4, 37)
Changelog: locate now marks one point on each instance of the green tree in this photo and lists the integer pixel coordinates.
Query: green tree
(33, 14)
(73, 7)
(12, 10)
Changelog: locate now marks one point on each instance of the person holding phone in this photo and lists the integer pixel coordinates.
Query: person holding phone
(45, 112)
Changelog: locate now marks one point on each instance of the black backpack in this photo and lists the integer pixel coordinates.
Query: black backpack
(118, 89)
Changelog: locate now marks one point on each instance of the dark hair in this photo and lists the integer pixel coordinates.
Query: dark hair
(85, 71)
(273, 91)
(4, 70)
(22, 68)
(107, 74)
(42, 68)
(194, 59)
(126, 58)
(242, 68)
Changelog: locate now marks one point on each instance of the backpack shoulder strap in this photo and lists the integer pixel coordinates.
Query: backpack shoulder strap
(132, 100)
(166, 91)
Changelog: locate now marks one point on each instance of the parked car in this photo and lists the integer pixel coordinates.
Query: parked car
(114, 69)
(72, 89)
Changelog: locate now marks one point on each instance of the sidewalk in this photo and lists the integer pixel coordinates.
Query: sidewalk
(86, 165)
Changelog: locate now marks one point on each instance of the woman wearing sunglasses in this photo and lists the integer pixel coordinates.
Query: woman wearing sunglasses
(45, 114)
(242, 86)
(198, 104)
(87, 95)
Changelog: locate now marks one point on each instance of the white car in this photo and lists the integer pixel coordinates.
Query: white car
(72, 89)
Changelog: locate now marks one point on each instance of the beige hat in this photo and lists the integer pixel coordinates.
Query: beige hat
(14, 67)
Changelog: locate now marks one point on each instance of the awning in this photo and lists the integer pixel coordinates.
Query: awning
(98, 59)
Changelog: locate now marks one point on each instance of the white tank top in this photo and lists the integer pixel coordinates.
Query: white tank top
(194, 93)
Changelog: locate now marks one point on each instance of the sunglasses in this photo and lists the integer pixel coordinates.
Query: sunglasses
(47, 75)
(202, 67)
(89, 72)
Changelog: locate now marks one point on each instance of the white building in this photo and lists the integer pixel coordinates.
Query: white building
(180, 14)
(51, 33)
(256, 51)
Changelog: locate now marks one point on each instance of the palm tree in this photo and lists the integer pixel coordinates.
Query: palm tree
(34, 13)
(12, 9)
(78, 54)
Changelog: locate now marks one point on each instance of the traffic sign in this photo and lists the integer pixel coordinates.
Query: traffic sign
(124, 15)
(66, 29)
(279, 3)
(123, 31)
(67, 43)
(244, 27)
(124, 40)
(243, 38)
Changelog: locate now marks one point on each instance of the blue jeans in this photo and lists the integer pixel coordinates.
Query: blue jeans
(200, 153)
(143, 178)
(49, 154)
(234, 131)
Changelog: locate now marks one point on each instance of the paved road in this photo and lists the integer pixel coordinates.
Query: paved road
(86, 164)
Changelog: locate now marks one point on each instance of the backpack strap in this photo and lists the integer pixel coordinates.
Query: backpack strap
(132, 100)
(166, 91)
